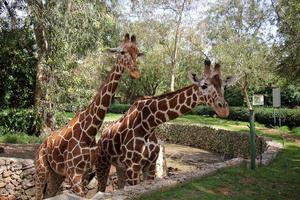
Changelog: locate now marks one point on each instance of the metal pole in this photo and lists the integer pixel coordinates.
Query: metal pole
(252, 139)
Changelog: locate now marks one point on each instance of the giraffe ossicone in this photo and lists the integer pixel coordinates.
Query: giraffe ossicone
(131, 145)
(70, 152)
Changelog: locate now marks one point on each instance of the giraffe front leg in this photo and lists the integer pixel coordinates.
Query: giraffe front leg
(53, 184)
(102, 172)
(41, 173)
(133, 175)
(151, 172)
(76, 179)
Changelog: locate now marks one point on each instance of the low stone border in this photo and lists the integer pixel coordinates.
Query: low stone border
(16, 178)
(167, 182)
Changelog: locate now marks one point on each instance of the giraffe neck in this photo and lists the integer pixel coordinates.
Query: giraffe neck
(94, 114)
(172, 105)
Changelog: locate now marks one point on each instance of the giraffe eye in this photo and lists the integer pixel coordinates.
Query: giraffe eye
(203, 87)
(122, 52)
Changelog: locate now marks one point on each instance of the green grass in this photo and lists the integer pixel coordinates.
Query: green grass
(279, 180)
(21, 138)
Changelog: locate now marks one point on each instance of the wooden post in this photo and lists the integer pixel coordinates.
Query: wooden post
(252, 139)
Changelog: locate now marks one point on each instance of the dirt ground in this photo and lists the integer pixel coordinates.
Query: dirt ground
(26, 151)
(180, 159)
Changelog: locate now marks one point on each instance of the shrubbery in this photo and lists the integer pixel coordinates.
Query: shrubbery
(119, 108)
(18, 121)
(263, 115)
(289, 117)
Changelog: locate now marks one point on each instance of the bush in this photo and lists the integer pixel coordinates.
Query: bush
(18, 121)
(289, 117)
(263, 115)
(119, 108)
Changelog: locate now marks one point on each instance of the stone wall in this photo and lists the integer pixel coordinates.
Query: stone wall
(231, 144)
(16, 178)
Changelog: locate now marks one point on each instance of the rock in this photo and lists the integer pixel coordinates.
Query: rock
(2, 162)
(2, 184)
(14, 176)
(27, 184)
(92, 184)
(18, 172)
(24, 197)
(18, 187)
(26, 164)
(120, 197)
(9, 186)
(7, 180)
(15, 183)
(30, 192)
(8, 162)
(16, 167)
(6, 174)
(1, 171)
(3, 192)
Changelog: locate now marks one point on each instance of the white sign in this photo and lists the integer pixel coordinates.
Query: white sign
(276, 98)
(258, 100)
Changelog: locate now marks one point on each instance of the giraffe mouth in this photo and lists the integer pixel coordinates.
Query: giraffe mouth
(222, 112)
(135, 74)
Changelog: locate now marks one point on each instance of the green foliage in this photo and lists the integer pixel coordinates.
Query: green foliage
(279, 180)
(119, 108)
(17, 67)
(287, 51)
(20, 138)
(289, 117)
(19, 121)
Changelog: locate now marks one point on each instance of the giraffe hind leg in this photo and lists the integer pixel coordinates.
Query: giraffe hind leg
(53, 184)
(42, 172)
(102, 172)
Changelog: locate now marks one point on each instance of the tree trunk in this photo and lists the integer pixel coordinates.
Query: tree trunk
(245, 93)
(41, 106)
(175, 50)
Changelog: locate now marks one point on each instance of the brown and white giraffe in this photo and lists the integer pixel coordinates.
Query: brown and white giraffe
(130, 144)
(70, 152)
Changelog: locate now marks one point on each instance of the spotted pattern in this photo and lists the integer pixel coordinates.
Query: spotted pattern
(71, 151)
(131, 145)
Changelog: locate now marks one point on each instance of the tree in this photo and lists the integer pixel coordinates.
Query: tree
(235, 34)
(170, 13)
(65, 33)
(287, 49)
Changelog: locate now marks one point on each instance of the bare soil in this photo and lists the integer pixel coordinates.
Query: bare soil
(180, 159)
(26, 151)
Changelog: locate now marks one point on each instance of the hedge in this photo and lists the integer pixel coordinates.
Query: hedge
(229, 143)
(289, 117)
(18, 121)
(263, 115)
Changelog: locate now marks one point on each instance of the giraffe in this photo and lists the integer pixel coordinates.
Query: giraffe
(131, 145)
(71, 151)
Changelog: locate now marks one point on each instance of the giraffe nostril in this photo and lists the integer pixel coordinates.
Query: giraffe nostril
(220, 105)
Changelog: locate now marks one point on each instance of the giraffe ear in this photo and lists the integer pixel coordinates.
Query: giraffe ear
(194, 78)
(230, 80)
(126, 38)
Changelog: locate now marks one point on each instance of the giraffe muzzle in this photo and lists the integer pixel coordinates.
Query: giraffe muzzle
(135, 74)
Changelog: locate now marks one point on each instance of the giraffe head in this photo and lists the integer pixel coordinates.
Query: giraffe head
(127, 54)
(211, 88)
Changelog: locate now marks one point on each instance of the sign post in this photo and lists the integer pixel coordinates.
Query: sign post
(276, 104)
